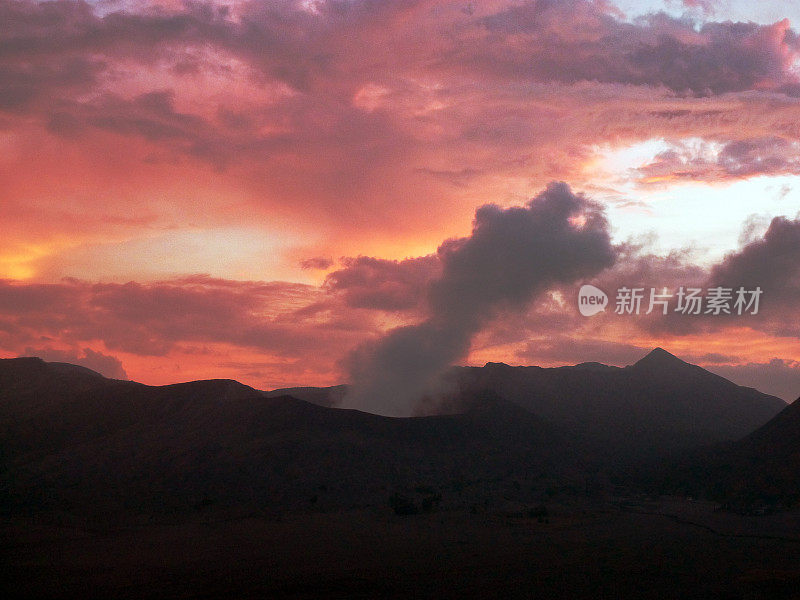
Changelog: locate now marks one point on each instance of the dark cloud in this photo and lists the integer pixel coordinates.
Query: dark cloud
(530, 41)
(109, 366)
(458, 178)
(554, 332)
(762, 156)
(24, 86)
(512, 256)
(316, 263)
(152, 117)
(52, 49)
(771, 263)
(639, 266)
(49, 50)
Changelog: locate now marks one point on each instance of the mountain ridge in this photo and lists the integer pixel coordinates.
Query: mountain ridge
(71, 436)
(115, 446)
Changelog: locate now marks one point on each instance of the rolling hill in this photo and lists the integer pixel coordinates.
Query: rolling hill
(214, 489)
(659, 404)
(761, 469)
(73, 439)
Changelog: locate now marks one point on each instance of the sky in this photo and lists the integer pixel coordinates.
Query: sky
(310, 192)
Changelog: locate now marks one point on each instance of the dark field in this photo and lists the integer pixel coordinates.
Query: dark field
(580, 550)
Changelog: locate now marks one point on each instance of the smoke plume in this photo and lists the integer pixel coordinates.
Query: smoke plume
(512, 256)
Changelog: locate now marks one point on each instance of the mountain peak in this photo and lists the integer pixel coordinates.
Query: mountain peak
(660, 352)
(659, 358)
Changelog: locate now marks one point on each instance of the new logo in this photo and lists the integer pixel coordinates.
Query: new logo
(591, 300)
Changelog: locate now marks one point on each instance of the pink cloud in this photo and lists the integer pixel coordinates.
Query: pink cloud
(154, 319)
(287, 115)
(366, 282)
(121, 124)
(739, 158)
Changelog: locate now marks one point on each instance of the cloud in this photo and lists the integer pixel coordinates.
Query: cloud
(355, 137)
(464, 309)
(707, 7)
(374, 283)
(553, 332)
(564, 349)
(512, 256)
(314, 50)
(734, 159)
(153, 117)
(109, 366)
(530, 41)
(316, 263)
(57, 54)
(52, 49)
(779, 377)
(771, 263)
(154, 319)
(715, 358)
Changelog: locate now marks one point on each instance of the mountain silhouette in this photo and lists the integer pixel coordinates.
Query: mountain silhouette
(761, 468)
(660, 403)
(768, 460)
(211, 488)
(659, 359)
(72, 437)
(75, 439)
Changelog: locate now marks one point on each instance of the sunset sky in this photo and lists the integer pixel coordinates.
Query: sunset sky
(261, 189)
